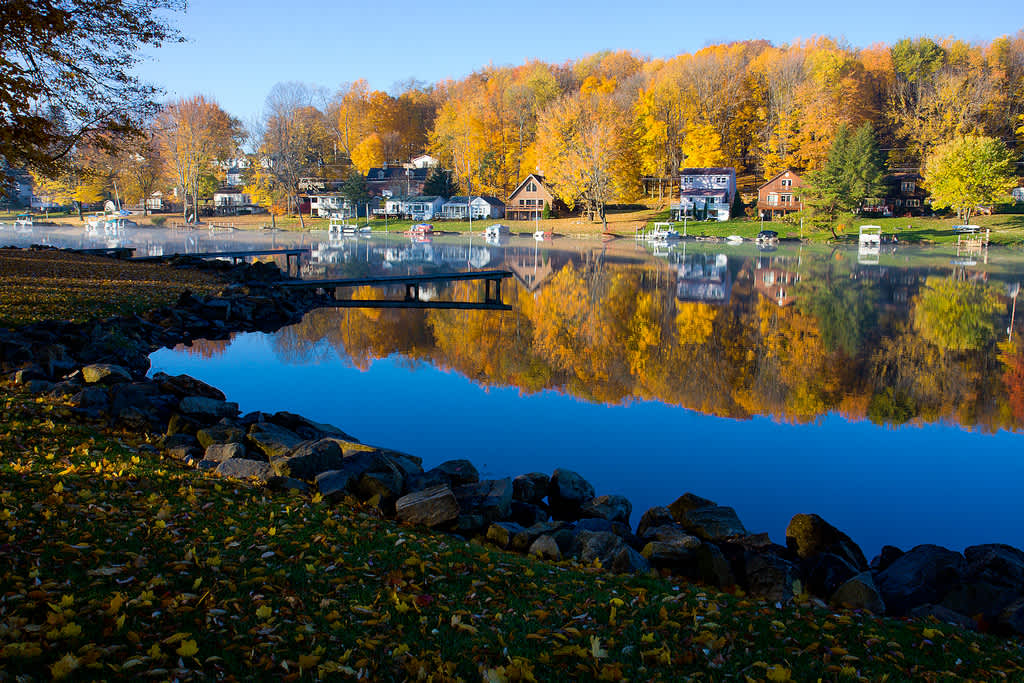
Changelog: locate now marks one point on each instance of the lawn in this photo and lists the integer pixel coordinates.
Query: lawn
(117, 562)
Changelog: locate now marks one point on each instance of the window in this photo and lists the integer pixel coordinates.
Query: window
(787, 199)
(907, 186)
(522, 202)
(532, 187)
(914, 202)
(787, 182)
(721, 180)
(773, 198)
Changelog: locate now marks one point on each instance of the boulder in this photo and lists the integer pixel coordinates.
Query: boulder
(207, 409)
(219, 452)
(522, 540)
(597, 524)
(531, 487)
(629, 561)
(981, 600)
(26, 375)
(687, 502)
(241, 468)
(995, 563)
(133, 395)
(859, 592)
(613, 508)
(678, 554)
(333, 485)
(309, 459)
(272, 440)
(287, 484)
(183, 385)
(943, 614)
(655, 517)
(426, 480)
(220, 433)
(431, 507)
(924, 575)
(181, 447)
(567, 492)
(602, 546)
(1012, 617)
(826, 572)
(182, 424)
(770, 576)
(810, 535)
(386, 485)
(459, 472)
(490, 498)
(712, 567)
(526, 514)
(502, 533)
(546, 548)
(408, 465)
(889, 554)
(306, 428)
(91, 397)
(105, 373)
(711, 523)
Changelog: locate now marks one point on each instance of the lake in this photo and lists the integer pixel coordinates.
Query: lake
(881, 390)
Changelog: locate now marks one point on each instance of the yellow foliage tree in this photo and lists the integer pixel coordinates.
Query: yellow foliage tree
(368, 153)
(702, 147)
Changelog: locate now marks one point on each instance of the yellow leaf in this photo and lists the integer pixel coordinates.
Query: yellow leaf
(595, 648)
(64, 666)
(57, 488)
(931, 633)
(154, 652)
(188, 648)
(308, 661)
(264, 612)
(779, 674)
(120, 621)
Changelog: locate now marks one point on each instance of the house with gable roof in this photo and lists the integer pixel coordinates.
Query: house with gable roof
(705, 193)
(527, 201)
(780, 195)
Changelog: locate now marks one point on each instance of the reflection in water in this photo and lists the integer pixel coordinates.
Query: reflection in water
(755, 378)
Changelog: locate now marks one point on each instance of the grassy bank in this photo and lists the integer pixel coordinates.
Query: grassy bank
(116, 562)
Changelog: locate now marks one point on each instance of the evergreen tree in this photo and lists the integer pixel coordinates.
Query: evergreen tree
(354, 189)
(864, 166)
(440, 183)
(852, 173)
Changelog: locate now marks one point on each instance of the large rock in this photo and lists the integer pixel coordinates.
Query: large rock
(924, 575)
(810, 535)
(306, 428)
(653, 518)
(334, 485)
(602, 546)
(491, 498)
(1012, 617)
(431, 507)
(771, 576)
(203, 408)
(219, 452)
(826, 572)
(887, 556)
(458, 472)
(712, 567)
(526, 514)
(385, 486)
(272, 440)
(220, 433)
(181, 447)
(687, 502)
(567, 492)
(241, 468)
(502, 533)
(546, 548)
(105, 373)
(995, 563)
(309, 459)
(859, 592)
(613, 508)
(530, 487)
(629, 561)
(678, 554)
(183, 385)
(711, 523)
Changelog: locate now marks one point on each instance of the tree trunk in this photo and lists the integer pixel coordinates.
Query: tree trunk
(78, 206)
(298, 210)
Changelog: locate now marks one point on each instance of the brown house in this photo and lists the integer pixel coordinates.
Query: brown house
(780, 195)
(528, 200)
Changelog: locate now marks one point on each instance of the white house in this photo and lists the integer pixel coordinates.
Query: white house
(1018, 194)
(330, 205)
(457, 208)
(705, 193)
(424, 161)
(422, 208)
(228, 199)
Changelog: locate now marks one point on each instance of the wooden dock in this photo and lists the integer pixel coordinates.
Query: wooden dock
(113, 252)
(412, 283)
(237, 256)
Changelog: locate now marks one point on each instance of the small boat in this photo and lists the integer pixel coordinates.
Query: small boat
(767, 237)
(496, 231)
(421, 229)
(23, 220)
(542, 235)
(337, 229)
(662, 232)
(734, 239)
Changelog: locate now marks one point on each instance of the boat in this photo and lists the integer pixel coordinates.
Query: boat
(337, 229)
(968, 229)
(23, 220)
(766, 237)
(542, 235)
(662, 232)
(734, 239)
(496, 231)
(421, 230)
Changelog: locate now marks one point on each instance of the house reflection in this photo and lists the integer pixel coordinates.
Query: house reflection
(774, 277)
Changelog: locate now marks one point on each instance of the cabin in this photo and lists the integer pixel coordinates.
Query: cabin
(399, 181)
(527, 201)
(705, 193)
(903, 196)
(424, 161)
(458, 208)
(774, 279)
(229, 201)
(704, 278)
(330, 205)
(780, 196)
(1017, 194)
(422, 208)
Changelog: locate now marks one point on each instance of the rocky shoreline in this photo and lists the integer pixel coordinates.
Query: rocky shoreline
(100, 371)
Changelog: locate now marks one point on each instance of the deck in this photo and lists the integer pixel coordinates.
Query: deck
(492, 297)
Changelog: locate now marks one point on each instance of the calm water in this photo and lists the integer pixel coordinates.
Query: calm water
(882, 394)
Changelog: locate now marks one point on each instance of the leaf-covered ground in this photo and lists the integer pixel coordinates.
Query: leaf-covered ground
(114, 562)
(49, 284)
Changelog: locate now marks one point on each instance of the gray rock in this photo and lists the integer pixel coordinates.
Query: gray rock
(924, 575)
(306, 428)
(309, 459)
(219, 452)
(182, 424)
(980, 599)
(826, 572)
(522, 540)
(602, 546)
(1012, 617)
(272, 440)
(431, 507)
(997, 564)
(203, 408)
(426, 480)
(526, 514)
(888, 555)
(105, 373)
(386, 486)
(220, 433)
(334, 485)
(490, 498)
(598, 524)
(29, 374)
(91, 397)
(629, 561)
(711, 523)
(687, 502)
(567, 492)
(408, 465)
(613, 508)
(288, 484)
(242, 468)
(183, 385)
(810, 535)
(132, 395)
(712, 567)
(205, 465)
(655, 517)
(671, 555)
(546, 548)
(181, 447)
(859, 592)
(531, 487)
(39, 386)
(502, 533)
(459, 472)
(943, 614)
(771, 576)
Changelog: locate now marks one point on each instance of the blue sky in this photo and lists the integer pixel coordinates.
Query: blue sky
(238, 50)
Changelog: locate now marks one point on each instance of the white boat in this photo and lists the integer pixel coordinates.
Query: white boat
(496, 231)
(961, 229)
(734, 239)
(870, 235)
(23, 220)
(662, 232)
(337, 229)
(542, 235)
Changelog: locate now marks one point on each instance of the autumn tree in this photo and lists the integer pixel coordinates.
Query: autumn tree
(66, 75)
(369, 154)
(968, 171)
(295, 139)
(702, 147)
(956, 316)
(194, 135)
(141, 169)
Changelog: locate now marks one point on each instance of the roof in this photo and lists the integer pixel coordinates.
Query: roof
(426, 198)
(720, 170)
(493, 201)
(702, 192)
(779, 175)
(396, 173)
(229, 190)
(536, 176)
